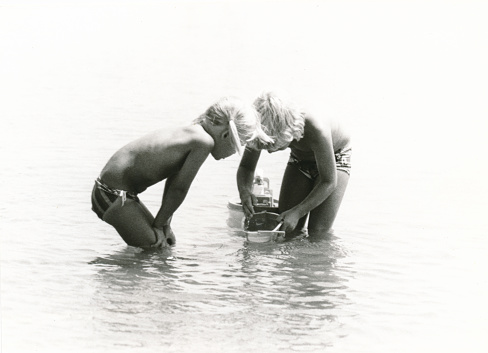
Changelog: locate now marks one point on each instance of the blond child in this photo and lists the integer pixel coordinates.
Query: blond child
(171, 155)
(318, 169)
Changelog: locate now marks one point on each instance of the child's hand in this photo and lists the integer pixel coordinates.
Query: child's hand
(248, 201)
(170, 236)
(160, 238)
(290, 220)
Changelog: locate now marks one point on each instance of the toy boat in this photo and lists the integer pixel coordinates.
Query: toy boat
(266, 210)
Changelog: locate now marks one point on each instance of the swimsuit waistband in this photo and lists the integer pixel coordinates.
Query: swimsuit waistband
(122, 193)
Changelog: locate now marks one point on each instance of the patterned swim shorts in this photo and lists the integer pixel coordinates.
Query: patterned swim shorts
(104, 196)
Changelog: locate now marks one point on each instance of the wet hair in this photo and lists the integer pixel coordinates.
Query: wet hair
(244, 116)
(280, 119)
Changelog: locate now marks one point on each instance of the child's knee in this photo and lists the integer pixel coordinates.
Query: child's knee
(137, 232)
(139, 240)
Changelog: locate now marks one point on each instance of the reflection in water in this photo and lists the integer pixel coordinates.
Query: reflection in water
(139, 292)
(288, 293)
(299, 283)
(297, 275)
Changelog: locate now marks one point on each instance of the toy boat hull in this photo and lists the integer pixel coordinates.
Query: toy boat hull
(236, 214)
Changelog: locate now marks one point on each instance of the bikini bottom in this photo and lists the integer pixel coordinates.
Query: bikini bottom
(310, 169)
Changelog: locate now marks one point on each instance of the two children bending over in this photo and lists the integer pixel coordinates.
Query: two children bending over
(313, 185)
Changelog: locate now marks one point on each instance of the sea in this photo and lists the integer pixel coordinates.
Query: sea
(405, 268)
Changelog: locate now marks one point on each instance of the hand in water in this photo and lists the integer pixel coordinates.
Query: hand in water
(160, 238)
(290, 220)
(170, 236)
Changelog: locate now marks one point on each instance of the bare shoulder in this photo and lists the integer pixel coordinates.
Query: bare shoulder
(316, 125)
(196, 137)
(321, 125)
(190, 136)
(176, 141)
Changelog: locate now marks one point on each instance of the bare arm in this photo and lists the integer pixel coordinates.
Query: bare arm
(320, 141)
(179, 184)
(245, 177)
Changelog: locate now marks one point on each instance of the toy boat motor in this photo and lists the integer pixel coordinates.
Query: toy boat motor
(265, 201)
(261, 189)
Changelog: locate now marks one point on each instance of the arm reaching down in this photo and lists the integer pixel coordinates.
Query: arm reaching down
(245, 177)
(320, 141)
(177, 185)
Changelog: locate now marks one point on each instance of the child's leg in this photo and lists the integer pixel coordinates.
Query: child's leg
(295, 186)
(133, 222)
(323, 216)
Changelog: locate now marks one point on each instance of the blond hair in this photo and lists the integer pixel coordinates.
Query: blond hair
(281, 120)
(244, 116)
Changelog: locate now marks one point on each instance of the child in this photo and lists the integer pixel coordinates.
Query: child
(318, 169)
(172, 155)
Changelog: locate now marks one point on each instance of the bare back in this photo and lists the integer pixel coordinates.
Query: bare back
(152, 158)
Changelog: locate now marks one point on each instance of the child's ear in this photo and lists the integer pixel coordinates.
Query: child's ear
(225, 134)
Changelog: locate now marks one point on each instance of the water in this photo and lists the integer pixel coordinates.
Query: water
(405, 269)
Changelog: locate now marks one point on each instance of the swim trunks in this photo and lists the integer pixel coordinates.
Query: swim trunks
(310, 170)
(104, 196)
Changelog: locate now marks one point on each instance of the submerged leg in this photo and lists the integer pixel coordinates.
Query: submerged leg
(294, 188)
(133, 222)
(323, 216)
